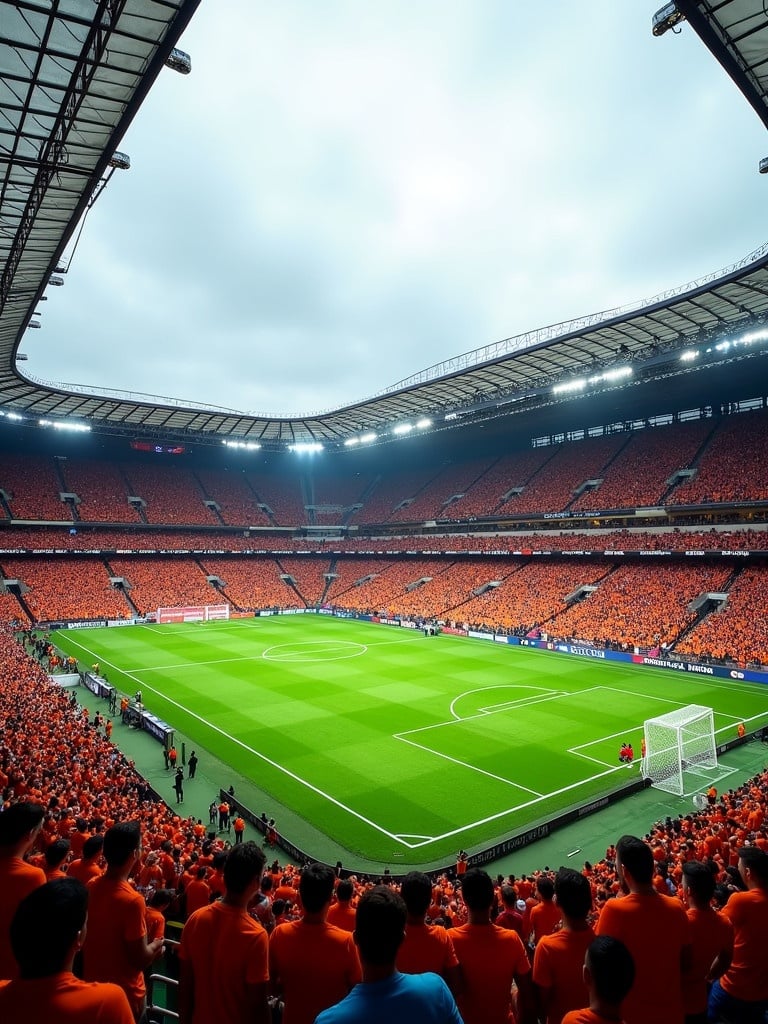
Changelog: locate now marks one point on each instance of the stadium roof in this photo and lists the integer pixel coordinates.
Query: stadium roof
(72, 77)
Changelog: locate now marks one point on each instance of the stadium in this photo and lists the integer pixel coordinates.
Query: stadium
(431, 621)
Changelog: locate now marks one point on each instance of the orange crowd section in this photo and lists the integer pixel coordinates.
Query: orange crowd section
(238, 503)
(70, 589)
(638, 605)
(156, 584)
(628, 469)
(102, 490)
(733, 466)
(640, 473)
(252, 584)
(740, 629)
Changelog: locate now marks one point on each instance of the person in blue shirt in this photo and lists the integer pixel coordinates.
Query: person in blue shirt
(386, 995)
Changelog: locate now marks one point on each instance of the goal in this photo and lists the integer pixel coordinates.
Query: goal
(680, 741)
(193, 613)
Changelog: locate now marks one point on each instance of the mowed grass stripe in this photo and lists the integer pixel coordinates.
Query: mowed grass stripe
(334, 722)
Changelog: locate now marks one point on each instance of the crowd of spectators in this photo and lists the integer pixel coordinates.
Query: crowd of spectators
(638, 606)
(239, 505)
(739, 630)
(102, 490)
(32, 487)
(150, 587)
(431, 502)
(733, 466)
(487, 494)
(172, 495)
(252, 584)
(90, 797)
(70, 589)
(640, 473)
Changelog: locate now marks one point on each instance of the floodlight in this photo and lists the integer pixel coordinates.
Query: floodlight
(451, 416)
(571, 385)
(402, 428)
(120, 161)
(76, 428)
(666, 18)
(178, 60)
(618, 374)
(305, 447)
(423, 423)
(35, 324)
(763, 165)
(22, 355)
(689, 355)
(250, 446)
(56, 281)
(14, 416)
(350, 441)
(368, 438)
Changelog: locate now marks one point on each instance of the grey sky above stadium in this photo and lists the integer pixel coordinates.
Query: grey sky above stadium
(343, 193)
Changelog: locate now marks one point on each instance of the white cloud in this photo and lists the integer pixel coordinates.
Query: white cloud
(341, 194)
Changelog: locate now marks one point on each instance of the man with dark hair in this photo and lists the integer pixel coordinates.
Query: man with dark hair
(385, 995)
(223, 953)
(55, 855)
(342, 913)
(711, 940)
(609, 974)
(656, 932)
(20, 826)
(490, 958)
(312, 964)
(116, 947)
(741, 994)
(47, 931)
(558, 964)
(511, 917)
(426, 947)
(545, 915)
(87, 867)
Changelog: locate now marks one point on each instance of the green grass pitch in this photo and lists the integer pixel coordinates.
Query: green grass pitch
(393, 744)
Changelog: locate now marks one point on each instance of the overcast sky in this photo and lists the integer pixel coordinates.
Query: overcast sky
(343, 193)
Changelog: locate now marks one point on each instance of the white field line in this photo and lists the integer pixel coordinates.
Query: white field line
(540, 690)
(244, 746)
(464, 764)
(256, 657)
(523, 702)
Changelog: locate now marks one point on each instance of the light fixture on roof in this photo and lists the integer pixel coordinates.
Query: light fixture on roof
(763, 165)
(251, 446)
(351, 441)
(402, 428)
(689, 355)
(56, 281)
(75, 428)
(120, 161)
(22, 356)
(178, 60)
(368, 438)
(34, 324)
(305, 447)
(423, 423)
(666, 18)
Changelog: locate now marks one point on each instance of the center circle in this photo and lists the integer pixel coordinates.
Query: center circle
(307, 651)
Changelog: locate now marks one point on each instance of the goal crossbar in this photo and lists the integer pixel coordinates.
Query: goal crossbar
(193, 613)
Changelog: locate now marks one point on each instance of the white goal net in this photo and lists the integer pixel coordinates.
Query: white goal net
(678, 742)
(193, 613)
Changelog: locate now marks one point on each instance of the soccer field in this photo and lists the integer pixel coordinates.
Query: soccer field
(402, 748)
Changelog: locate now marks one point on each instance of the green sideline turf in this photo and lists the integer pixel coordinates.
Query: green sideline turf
(397, 745)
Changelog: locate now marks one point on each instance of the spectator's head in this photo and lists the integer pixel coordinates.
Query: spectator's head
(345, 890)
(509, 897)
(634, 862)
(92, 847)
(545, 888)
(316, 887)
(122, 845)
(49, 927)
(380, 926)
(698, 883)
(161, 899)
(573, 893)
(477, 890)
(753, 867)
(56, 853)
(609, 971)
(19, 826)
(243, 869)
(416, 890)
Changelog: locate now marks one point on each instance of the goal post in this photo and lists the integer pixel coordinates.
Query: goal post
(193, 613)
(680, 741)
